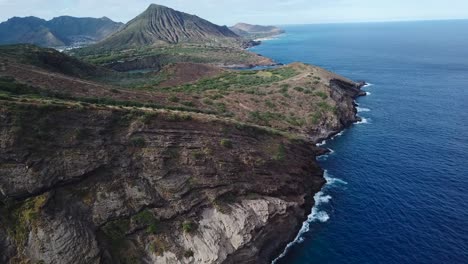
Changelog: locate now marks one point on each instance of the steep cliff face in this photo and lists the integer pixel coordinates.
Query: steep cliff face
(101, 185)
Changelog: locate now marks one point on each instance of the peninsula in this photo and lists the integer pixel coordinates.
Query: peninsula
(146, 148)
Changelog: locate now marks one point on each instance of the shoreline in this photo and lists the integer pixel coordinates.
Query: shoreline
(357, 92)
(303, 227)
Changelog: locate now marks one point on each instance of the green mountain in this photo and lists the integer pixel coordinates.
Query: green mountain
(60, 31)
(49, 60)
(160, 25)
(255, 31)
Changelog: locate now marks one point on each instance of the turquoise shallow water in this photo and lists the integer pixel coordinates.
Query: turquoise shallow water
(398, 190)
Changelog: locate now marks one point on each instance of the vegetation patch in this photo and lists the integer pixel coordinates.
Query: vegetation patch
(20, 218)
(189, 226)
(321, 95)
(146, 218)
(158, 247)
(280, 153)
(226, 143)
(237, 80)
(188, 253)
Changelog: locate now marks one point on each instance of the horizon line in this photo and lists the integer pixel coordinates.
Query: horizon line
(287, 24)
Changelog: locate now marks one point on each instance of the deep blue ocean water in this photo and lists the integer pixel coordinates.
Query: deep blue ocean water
(398, 189)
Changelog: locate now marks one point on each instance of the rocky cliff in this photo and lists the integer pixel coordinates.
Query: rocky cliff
(115, 186)
(110, 180)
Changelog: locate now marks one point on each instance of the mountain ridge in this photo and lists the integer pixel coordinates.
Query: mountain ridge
(256, 31)
(57, 32)
(160, 25)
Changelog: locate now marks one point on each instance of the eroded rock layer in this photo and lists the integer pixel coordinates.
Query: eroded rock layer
(114, 186)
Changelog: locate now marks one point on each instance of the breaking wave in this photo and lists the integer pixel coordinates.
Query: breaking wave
(364, 121)
(316, 215)
(362, 109)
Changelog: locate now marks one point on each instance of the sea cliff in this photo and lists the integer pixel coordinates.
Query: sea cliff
(100, 185)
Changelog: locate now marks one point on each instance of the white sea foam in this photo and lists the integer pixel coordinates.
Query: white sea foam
(364, 121)
(362, 109)
(325, 156)
(321, 143)
(316, 214)
(368, 93)
(338, 135)
(332, 181)
(368, 85)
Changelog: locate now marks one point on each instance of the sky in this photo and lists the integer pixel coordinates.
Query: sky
(228, 12)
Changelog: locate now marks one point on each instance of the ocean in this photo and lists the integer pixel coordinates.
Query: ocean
(397, 187)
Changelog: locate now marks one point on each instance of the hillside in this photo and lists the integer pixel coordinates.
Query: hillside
(159, 172)
(255, 31)
(160, 25)
(60, 31)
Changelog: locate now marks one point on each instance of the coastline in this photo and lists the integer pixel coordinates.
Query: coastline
(290, 183)
(304, 226)
(316, 194)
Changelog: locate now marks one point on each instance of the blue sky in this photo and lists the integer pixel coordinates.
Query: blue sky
(227, 12)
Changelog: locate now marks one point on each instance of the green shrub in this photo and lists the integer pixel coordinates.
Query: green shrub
(147, 117)
(158, 247)
(326, 107)
(321, 95)
(280, 153)
(188, 253)
(269, 104)
(189, 226)
(116, 231)
(153, 228)
(226, 143)
(176, 117)
(216, 96)
(299, 89)
(208, 101)
(198, 155)
(221, 107)
(189, 104)
(315, 117)
(173, 99)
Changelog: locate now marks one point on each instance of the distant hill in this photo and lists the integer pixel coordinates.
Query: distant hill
(60, 31)
(160, 25)
(50, 60)
(255, 31)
